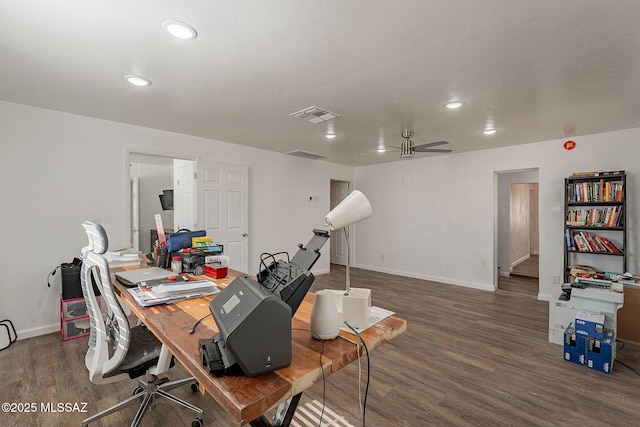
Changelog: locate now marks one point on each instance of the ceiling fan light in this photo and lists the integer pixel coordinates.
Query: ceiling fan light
(330, 135)
(381, 150)
(489, 131)
(453, 105)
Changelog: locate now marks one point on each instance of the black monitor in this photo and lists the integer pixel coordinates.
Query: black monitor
(166, 200)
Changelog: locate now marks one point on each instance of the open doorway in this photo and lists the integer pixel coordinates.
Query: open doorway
(338, 243)
(518, 232)
(206, 195)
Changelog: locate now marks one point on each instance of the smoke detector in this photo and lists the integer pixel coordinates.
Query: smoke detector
(314, 114)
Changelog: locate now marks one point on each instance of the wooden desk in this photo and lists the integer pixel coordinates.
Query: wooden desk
(246, 399)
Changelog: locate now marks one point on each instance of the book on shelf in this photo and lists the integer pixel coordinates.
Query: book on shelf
(595, 191)
(583, 241)
(594, 173)
(610, 216)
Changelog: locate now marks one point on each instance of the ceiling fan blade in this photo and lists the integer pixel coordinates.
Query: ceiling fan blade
(433, 150)
(392, 148)
(431, 144)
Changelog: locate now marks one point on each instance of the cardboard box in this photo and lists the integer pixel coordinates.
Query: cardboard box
(575, 346)
(590, 324)
(600, 353)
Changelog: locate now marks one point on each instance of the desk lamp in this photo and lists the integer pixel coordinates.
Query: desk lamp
(352, 304)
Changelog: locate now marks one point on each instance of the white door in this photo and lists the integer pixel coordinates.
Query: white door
(222, 208)
(339, 190)
(135, 213)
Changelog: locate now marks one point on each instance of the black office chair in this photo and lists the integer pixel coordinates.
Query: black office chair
(116, 350)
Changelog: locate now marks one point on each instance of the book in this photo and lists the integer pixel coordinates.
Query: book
(595, 173)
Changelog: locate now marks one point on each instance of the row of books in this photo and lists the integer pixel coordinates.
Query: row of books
(606, 217)
(597, 191)
(584, 241)
(589, 174)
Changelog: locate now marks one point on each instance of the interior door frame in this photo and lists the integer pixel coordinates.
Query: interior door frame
(144, 151)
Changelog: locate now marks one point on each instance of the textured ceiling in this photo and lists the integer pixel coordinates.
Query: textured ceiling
(538, 70)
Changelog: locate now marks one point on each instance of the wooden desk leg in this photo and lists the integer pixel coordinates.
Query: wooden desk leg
(283, 416)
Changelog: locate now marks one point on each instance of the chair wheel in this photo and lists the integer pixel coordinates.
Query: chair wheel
(137, 390)
(194, 386)
(196, 423)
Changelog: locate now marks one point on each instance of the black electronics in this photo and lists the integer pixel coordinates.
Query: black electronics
(254, 317)
(255, 329)
(291, 280)
(166, 200)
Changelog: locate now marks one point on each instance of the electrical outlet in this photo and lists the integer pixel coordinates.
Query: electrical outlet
(381, 257)
(483, 263)
(556, 279)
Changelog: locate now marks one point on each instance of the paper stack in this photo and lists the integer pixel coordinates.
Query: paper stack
(167, 293)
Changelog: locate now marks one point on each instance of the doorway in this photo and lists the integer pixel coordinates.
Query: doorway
(339, 190)
(207, 195)
(518, 232)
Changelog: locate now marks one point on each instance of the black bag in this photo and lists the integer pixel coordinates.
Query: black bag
(71, 285)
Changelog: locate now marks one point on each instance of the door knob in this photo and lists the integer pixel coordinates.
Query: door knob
(244, 234)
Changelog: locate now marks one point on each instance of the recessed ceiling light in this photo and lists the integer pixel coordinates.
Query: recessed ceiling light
(137, 80)
(179, 30)
(489, 131)
(453, 105)
(330, 135)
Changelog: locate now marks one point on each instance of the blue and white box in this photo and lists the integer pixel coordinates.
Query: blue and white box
(600, 353)
(590, 324)
(575, 346)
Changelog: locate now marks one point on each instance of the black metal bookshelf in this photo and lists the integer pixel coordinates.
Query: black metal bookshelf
(595, 205)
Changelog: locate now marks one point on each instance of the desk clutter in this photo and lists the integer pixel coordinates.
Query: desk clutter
(191, 252)
(173, 289)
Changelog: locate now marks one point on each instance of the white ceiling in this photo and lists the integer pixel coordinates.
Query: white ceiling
(539, 70)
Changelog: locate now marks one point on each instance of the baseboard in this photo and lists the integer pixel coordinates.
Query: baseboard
(36, 332)
(443, 280)
(518, 261)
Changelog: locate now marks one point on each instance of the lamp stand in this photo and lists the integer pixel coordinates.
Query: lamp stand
(347, 290)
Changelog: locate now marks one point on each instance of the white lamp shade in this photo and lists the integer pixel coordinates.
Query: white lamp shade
(355, 207)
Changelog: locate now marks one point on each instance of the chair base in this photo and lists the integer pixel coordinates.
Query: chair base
(155, 387)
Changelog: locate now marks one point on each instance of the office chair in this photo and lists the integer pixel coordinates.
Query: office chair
(118, 351)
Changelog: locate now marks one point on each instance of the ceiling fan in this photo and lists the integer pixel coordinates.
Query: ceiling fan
(408, 149)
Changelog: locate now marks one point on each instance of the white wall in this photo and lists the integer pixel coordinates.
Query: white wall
(59, 169)
(435, 219)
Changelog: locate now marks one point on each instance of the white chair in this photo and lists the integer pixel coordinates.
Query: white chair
(118, 351)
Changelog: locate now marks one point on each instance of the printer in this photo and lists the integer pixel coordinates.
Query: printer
(254, 316)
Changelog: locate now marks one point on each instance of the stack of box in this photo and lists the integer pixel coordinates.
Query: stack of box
(588, 342)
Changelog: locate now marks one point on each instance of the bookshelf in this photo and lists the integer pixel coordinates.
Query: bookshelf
(595, 228)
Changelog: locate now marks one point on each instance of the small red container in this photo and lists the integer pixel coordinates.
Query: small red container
(215, 271)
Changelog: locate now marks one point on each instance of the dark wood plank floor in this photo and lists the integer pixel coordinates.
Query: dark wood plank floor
(523, 278)
(469, 357)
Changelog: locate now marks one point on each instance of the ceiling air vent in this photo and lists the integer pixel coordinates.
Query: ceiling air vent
(306, 154)
(314, 115)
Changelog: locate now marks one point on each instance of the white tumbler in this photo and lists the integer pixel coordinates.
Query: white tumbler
(324, 316)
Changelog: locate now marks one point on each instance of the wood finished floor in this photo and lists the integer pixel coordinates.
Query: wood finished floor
(523, 278)
(468, 358)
